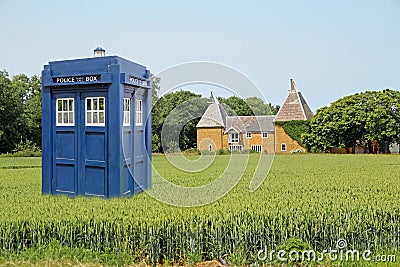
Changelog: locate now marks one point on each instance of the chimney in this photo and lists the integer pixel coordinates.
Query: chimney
(292, 86)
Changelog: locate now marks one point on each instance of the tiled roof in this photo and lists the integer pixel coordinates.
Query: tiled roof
(251, 124)
(215, 115)
(295, 107)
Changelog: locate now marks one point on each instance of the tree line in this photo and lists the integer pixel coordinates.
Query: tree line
(370, 118)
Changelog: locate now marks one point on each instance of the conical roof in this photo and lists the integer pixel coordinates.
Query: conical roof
(295, 106)
(215, 115)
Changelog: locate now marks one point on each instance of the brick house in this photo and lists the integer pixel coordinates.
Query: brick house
(217, 130)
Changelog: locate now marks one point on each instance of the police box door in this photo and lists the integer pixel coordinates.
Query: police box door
(80, 147)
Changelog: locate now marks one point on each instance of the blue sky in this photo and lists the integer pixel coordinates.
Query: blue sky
(330, 48)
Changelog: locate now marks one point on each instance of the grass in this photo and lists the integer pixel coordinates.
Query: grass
(315, 198)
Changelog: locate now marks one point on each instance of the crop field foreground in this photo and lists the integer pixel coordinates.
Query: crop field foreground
(318, 199)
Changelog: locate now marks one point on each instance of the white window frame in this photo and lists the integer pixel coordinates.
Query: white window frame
(248, 135)
(67, 112)
(257, 148)
(235, 147)
(139, 112)
(232, 139)
(95, 112)
(283, 147)
(127, 111)
(264, 135)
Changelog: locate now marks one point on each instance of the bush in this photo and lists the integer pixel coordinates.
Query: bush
(222, 151)
(296, 151)
(295, 129)
(206, 152)
(26, 149)
(191, 152)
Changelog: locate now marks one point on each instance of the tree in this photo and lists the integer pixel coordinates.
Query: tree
(170, 117)
(11, 111)
(259, 107)
(382, 122)
(236, 106)
(357, 119)
(322, 132)
(33, 110)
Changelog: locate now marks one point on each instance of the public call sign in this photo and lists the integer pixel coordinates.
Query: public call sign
(77, 79)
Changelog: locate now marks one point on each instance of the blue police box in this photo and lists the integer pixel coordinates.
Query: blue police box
(96, 122)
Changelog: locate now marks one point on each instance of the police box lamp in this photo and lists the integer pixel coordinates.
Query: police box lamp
(99, 52)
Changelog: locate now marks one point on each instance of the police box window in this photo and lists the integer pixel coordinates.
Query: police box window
(127, 111)
(65, 112)
(139, 112)
(95, 111)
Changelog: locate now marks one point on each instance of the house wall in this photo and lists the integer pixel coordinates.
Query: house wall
(268, 144)
(218, 139)
(394, 148)
(210, 136)
(225, 141)
(282, 138)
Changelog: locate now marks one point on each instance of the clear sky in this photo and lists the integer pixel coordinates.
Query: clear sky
(331, 48)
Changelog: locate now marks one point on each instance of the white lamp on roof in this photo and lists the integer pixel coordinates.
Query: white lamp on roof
(99, 52)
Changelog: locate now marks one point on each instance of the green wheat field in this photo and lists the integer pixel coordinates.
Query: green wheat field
(316, 199)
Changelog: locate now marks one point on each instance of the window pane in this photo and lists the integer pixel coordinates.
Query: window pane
(65, 105)
(71, 117)
(88, 104)
(95, 117)
(101, 103)
(71, 105)
(65, 117)
(59, 117)
(89, 117)
(139, 118)
(95, 106)
(126, 118)
(126, 104)
(59, 105)
(101, 114)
